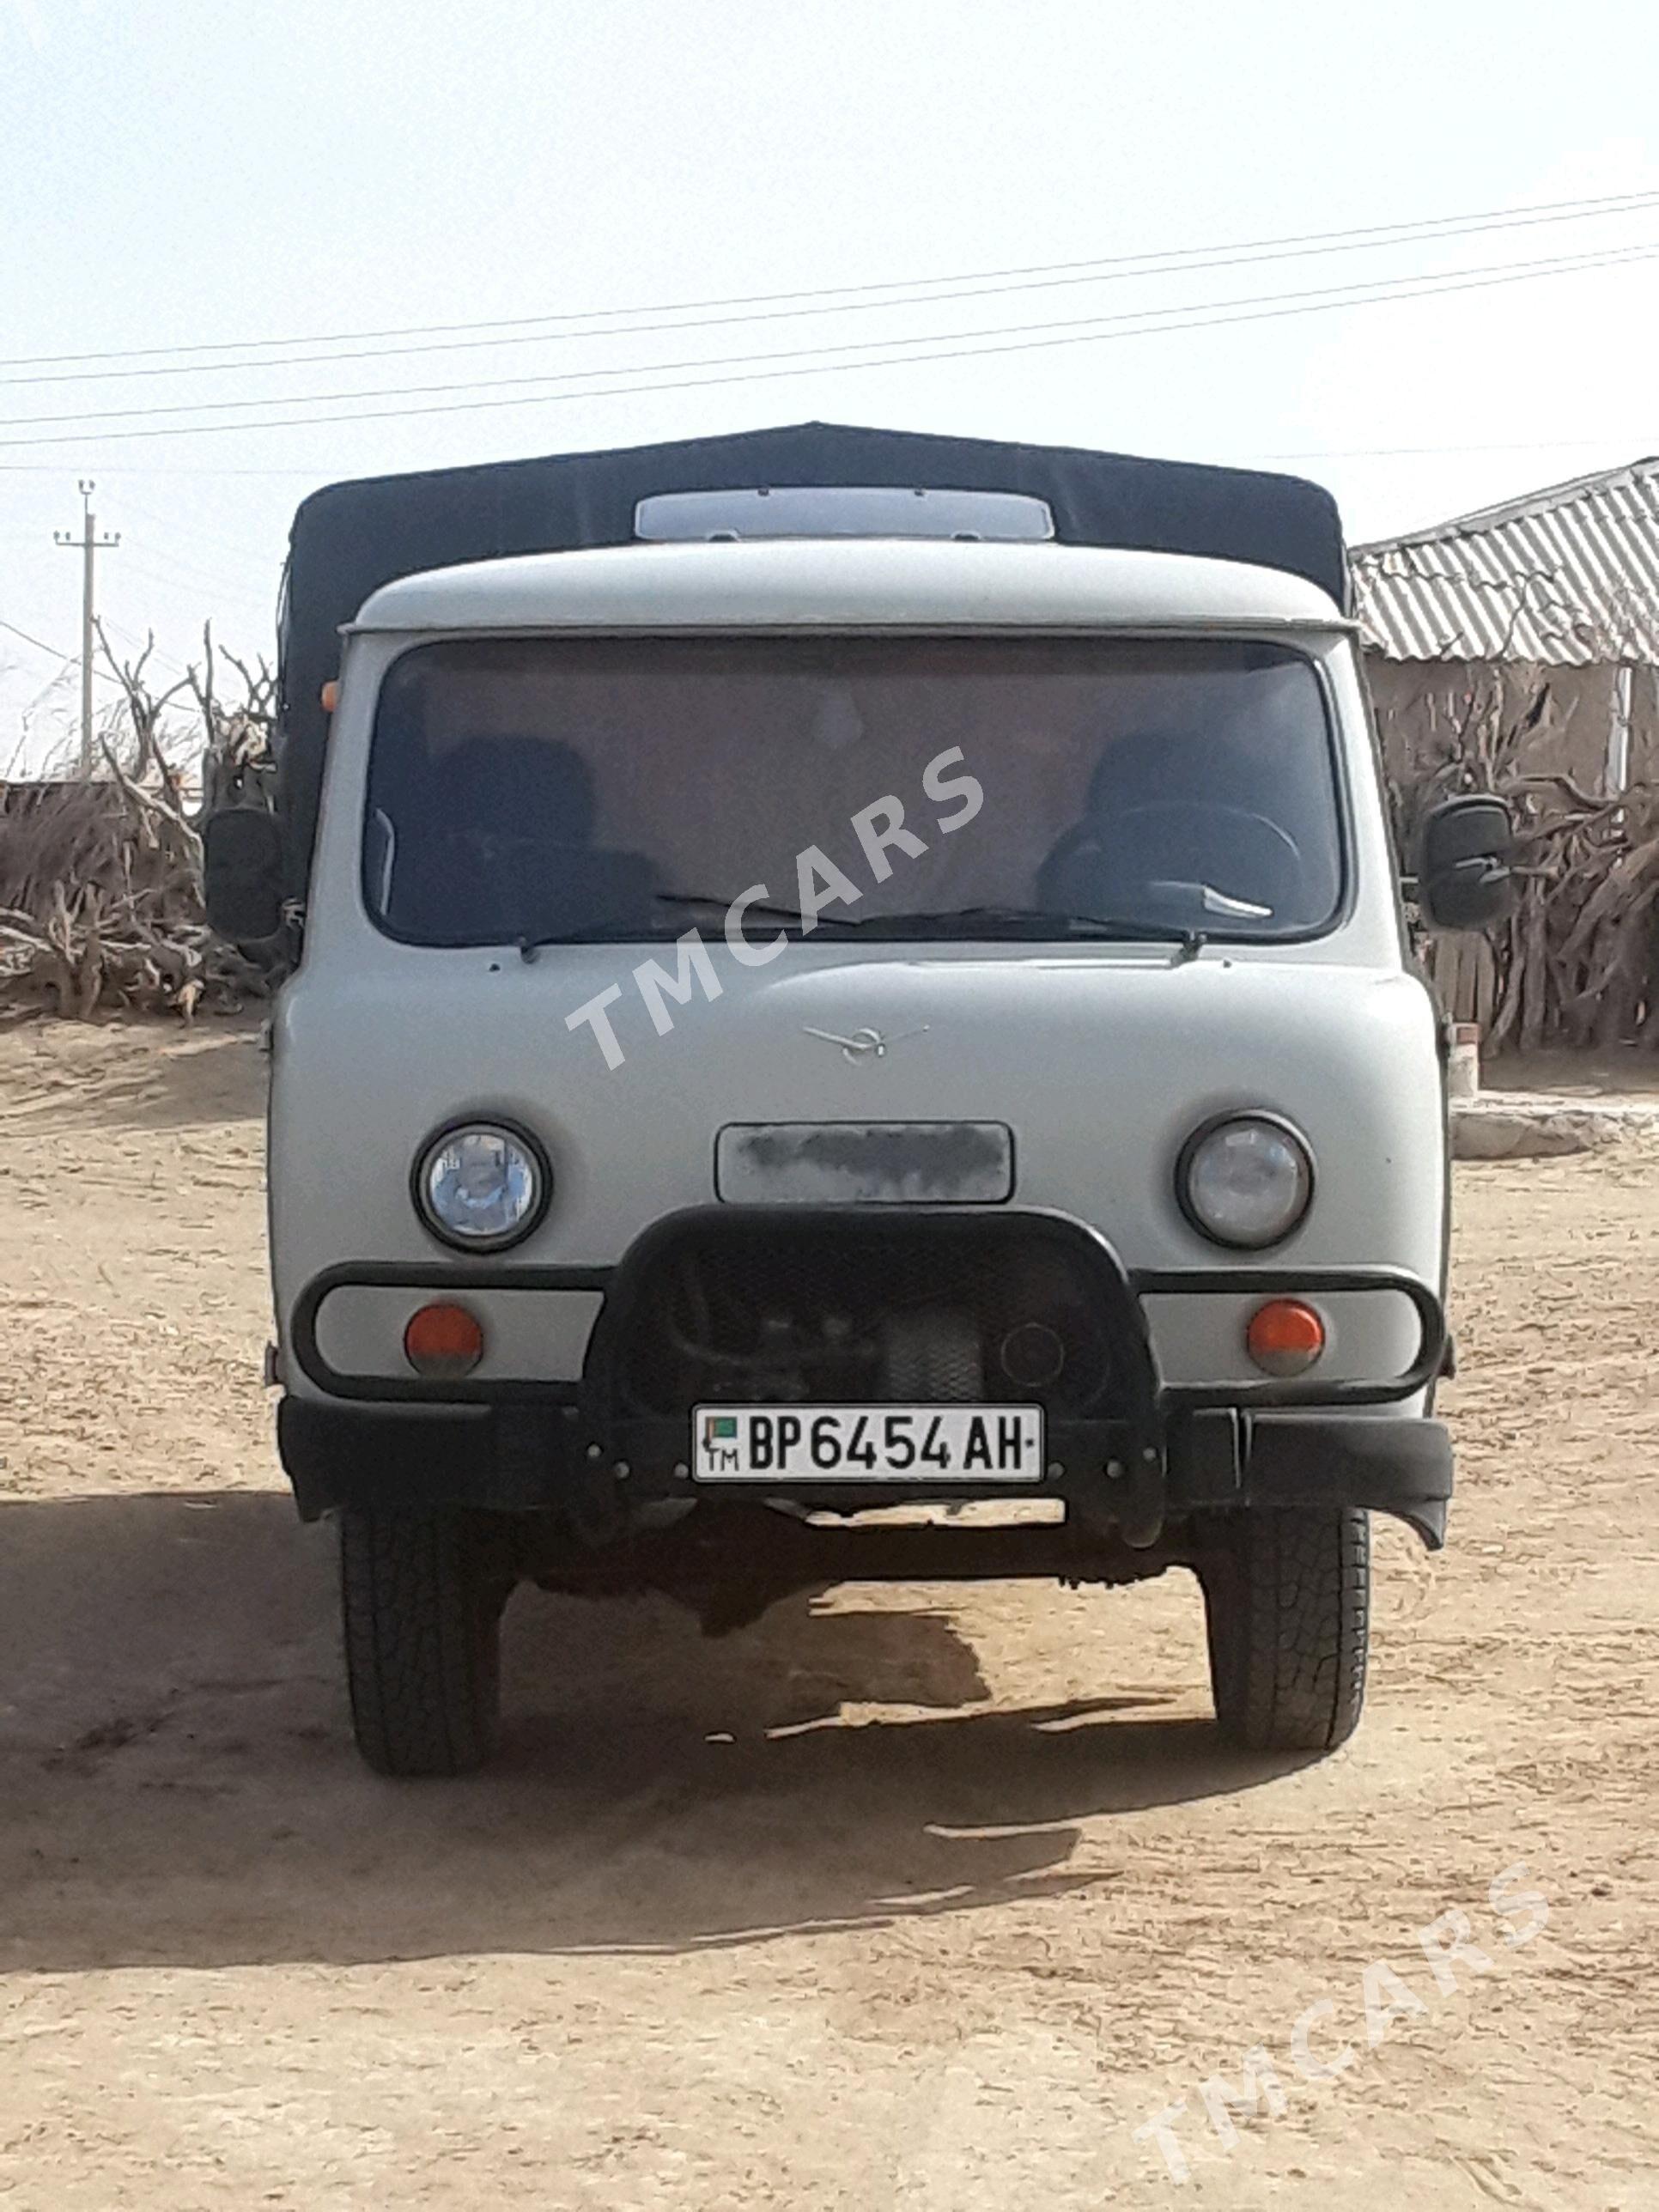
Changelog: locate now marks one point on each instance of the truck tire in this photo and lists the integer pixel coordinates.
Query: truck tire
(422, 1595)
(1287, 1604)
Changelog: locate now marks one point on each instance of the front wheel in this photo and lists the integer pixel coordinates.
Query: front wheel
(422, 1596)
(1287, 1601)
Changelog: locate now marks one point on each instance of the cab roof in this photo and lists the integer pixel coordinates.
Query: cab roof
(864, 583)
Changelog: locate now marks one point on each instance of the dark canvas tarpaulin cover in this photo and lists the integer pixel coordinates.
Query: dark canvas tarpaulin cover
(350, 539)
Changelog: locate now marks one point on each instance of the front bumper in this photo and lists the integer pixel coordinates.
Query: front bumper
(526, 1460)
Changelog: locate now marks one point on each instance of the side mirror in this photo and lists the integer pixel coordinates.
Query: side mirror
(242, 874)
(1463, 876)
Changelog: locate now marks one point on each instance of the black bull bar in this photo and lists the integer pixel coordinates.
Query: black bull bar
(1163, 1452)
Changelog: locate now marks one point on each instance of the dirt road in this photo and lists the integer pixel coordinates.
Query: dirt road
(927, 1898)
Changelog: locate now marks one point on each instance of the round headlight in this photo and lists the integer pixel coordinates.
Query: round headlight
(1245, 1181)
(481, 1186)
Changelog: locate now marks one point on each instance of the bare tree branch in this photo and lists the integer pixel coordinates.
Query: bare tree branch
(101, 876)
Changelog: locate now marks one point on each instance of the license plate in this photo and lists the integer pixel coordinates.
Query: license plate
(919, 1444)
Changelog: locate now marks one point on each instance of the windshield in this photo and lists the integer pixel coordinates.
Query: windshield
(532, 790)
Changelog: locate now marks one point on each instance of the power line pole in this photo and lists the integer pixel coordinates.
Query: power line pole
(90, 544)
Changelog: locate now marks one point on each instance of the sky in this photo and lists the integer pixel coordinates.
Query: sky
(181, 174)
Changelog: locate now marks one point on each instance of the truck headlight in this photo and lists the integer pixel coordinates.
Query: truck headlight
(481, 1186)
(1245, 1180)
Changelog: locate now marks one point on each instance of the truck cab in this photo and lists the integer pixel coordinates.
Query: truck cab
(846, 1007)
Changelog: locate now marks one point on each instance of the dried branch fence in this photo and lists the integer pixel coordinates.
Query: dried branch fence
(100, 876)
(1576, 964)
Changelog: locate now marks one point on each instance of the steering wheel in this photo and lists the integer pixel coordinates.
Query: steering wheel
(1138, 839)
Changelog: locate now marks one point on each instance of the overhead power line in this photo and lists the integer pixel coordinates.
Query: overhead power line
(213, 539)
(740, 369)
(1066, 275)
(144, 646)
(1086, 323)
(66, 661)
(1169, 258)
(182, 584)
(39, 644)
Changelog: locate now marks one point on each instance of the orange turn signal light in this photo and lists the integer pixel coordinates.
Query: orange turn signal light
(1284, 1337)
(329, 695)
(443, 1342)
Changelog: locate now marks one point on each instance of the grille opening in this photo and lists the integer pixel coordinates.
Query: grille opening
(875, 1313)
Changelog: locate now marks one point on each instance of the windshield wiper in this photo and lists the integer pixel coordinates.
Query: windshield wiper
(1035, 920)
(766, 908)
(1042, 921)
(636, 933)
(598, 933)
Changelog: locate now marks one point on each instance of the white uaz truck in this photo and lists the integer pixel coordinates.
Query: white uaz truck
(838, 970)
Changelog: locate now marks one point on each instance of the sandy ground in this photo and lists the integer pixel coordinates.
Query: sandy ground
(904, 1899)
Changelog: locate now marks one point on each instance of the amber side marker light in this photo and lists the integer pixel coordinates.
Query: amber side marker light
(1284, 1337)
(443, 1342)
(329, 695)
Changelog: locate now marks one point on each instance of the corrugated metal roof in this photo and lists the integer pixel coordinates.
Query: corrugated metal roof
(1569, 575)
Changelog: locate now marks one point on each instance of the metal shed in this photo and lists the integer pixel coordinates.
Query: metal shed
(1562, 584)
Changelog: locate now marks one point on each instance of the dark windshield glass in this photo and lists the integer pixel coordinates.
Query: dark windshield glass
(538, 788)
